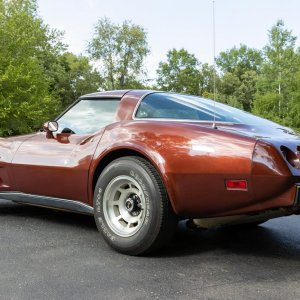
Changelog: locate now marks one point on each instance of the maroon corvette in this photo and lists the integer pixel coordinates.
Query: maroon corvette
(139, 161)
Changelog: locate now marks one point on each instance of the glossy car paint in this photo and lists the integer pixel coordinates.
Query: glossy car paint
(8, 148)
(193, 159)
(57, 165)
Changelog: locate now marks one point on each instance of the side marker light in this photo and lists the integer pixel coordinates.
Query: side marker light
(233, 184)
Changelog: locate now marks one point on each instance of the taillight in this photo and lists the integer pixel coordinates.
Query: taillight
(233, 184)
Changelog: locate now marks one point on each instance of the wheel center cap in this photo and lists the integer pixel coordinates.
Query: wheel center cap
(129, 204)
(133, 205)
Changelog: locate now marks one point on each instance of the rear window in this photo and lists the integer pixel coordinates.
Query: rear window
(186, 107)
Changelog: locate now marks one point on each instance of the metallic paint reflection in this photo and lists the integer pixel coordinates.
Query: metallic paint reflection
(192, 158)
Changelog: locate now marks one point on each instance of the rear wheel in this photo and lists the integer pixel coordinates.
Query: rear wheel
(131, 207)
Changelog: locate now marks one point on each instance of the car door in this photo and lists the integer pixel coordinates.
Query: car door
(57, 164)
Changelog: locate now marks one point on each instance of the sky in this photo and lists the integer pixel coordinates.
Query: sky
(175, 23)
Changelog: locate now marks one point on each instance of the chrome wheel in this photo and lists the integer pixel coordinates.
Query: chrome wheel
(124, 206)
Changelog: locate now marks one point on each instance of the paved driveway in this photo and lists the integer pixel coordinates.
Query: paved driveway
(56, 255)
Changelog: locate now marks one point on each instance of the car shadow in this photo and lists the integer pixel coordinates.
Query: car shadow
(49, 215)
(272, 239)
(267, 240)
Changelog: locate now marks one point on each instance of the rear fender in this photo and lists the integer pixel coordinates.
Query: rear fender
(142, 150)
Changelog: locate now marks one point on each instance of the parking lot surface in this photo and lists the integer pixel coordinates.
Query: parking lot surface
(45, 254)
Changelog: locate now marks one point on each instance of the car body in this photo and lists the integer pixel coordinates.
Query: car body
(203, 160)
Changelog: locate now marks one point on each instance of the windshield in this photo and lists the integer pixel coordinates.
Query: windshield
(88, 116)
(186, 107)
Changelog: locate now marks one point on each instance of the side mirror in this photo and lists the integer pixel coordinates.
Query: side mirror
(51, 126)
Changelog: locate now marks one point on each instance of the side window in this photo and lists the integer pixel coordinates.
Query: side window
(181, 107)
(88, 116)
(164, 106)
(186, 107)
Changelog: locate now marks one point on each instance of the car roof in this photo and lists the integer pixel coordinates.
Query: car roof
(105, 94)
(129, 100)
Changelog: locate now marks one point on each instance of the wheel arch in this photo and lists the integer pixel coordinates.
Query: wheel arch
(156, 160)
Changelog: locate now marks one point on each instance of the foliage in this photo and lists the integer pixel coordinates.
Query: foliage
(268, 105)
(279, 64)
(240, 68)
(38, 77)
(179, 73)
(239, 60)
(206, 80)
(73, 76)
(278, 90)
(120, 50)
(265, 82)
(182, 72)
(24, 99)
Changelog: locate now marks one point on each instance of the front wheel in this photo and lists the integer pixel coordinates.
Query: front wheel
(132, 209)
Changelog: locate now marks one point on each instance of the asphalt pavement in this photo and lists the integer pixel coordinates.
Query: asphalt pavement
(45, 254)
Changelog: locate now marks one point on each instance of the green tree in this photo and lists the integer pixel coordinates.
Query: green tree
(229, 84)
(25, 101)
(277, 84)
(279, 60)
(239, 60)
(179, 73)
(240, 68)
(120, 50)
(206, 80)
(72, 77)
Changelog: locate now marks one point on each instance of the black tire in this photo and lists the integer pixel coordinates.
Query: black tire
(131, 207)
